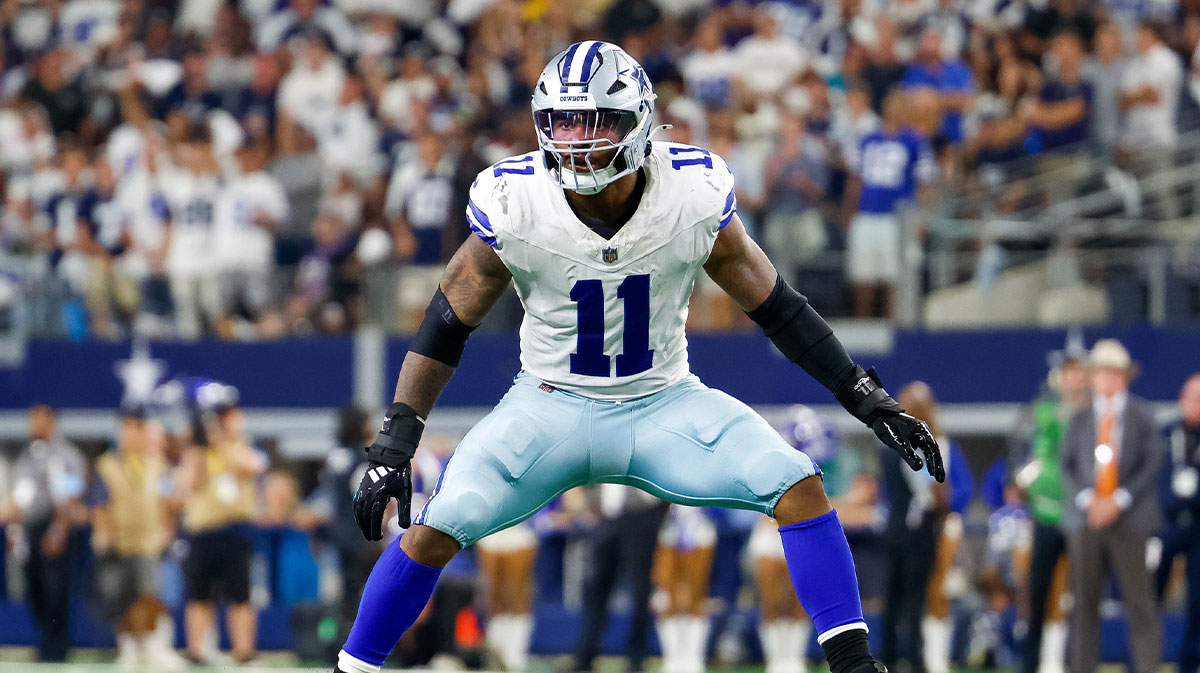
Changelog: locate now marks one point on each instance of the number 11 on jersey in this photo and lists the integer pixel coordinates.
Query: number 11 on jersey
(589, 358)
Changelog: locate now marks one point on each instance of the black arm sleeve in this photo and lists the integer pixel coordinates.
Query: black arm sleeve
(442, 336)
(803, 336)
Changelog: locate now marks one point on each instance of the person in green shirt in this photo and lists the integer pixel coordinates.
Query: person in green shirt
(1040, 479)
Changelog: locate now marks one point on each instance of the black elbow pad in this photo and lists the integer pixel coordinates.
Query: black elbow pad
(442, 336)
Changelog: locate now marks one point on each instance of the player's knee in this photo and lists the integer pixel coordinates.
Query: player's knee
(805, 500)
(429, 546)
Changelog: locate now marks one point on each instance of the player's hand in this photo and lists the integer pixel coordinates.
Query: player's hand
(910, 437)
(389, 472)
(902, 432)
(379, 485)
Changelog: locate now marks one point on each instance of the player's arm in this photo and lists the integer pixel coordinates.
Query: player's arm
(473, 281)
(743, 270)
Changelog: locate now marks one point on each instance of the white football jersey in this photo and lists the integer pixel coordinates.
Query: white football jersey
(605, 318)
(191, 199)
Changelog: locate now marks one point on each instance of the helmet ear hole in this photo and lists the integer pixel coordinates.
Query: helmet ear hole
(542, 86)
(616, 86)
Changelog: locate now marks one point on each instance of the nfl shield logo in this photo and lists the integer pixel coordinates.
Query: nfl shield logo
(610, 255)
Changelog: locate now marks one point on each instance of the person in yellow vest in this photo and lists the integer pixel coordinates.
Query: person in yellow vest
(218, 480)
(130, 531)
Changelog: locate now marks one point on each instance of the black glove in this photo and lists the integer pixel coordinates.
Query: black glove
(865, 398)
(380, 484)
(389, 472)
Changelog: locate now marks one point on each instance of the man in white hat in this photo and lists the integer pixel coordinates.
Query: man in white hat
(1110, 467)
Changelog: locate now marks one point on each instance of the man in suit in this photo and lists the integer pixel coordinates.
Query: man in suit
(1110, 466)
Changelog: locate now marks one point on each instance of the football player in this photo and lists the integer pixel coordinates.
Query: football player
(603, 233)
(783, 627)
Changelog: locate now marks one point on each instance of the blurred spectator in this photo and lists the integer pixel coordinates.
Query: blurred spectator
(309, 92)
(622, 544)
(855, 121)
(948, 19)
(321, 299)
(768, 60)
(254, 106)
(1150, 87)
(891, 165)
(217, 480)
(48, 482)
(506, 563)
(282, 546)
(950, 78)
(1002, 577)
(1043, 23)
(1104, 69)
(1061, 117)
(709, 70)
(60, 94)
(192, 95)
(937, 626)
(411, 83)
(304, 16)
(352, 140)
(917, 507)
(1041, 480)
(418, 207)
(796, 178)
(682, 572)
(1111, 461)
(191, 190)
(249, 208)
(131, 528)
(1179, 491)
(333, 508)
(886, 69)
(114, 281)
(1000, 133)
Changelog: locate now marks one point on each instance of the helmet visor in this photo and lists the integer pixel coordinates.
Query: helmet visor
(571, 127)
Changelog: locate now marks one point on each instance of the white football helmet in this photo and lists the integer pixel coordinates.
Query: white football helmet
(589, 99)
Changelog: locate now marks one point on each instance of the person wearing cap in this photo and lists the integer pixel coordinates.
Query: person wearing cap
(1179, 494)
(48, 481)
(1111, 461)
(1041, 482)
(131, 528)
(218, 482)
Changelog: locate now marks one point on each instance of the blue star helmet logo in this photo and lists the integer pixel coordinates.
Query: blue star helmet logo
(639, 74)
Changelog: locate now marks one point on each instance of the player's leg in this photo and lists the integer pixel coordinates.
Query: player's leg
(735, 459)
(783, 627)
(512, 463)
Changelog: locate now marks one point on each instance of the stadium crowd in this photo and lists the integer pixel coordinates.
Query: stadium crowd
(180, 516)
(260, 168)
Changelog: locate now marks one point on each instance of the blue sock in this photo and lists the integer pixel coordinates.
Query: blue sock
(822, 570)
(396, 592)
